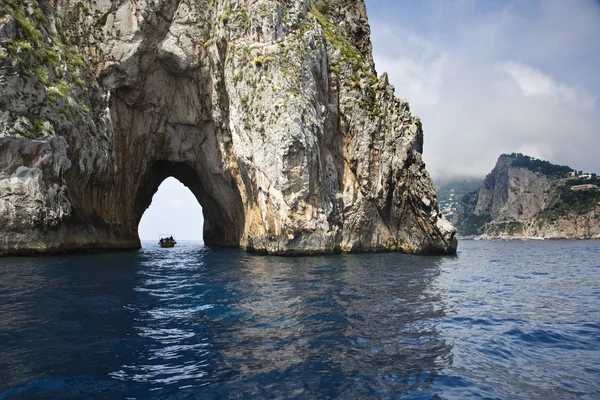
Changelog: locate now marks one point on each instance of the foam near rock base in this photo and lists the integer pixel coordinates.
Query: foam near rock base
(273, 116)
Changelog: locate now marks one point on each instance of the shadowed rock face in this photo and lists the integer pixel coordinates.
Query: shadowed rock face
(272, 114)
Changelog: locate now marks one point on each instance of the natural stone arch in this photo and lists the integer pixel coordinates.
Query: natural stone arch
(293, 144)
(223, 223)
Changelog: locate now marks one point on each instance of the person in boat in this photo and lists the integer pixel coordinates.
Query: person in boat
(170, 238)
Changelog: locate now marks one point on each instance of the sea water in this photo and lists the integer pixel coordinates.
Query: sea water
(501, 320)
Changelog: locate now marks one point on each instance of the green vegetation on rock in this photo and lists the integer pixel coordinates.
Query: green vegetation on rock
(541, 166)
(46, 60)
(352, 58)
(505, 228)
(567, 202)
(475, 224)
(516, 202)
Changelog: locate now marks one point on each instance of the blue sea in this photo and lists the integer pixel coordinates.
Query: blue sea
(501, 320)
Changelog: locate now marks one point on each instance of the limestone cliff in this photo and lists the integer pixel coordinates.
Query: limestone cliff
(524, 197)
(270, 112)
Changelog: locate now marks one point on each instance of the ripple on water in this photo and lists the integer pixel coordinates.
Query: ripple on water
(197, 323)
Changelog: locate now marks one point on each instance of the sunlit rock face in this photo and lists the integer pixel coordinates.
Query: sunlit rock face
(524, 198)
(270, 112)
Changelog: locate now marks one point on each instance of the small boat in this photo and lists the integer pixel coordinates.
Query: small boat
(167, 241)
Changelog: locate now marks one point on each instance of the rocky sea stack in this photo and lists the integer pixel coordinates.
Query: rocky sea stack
(524, 197)
(270, 112)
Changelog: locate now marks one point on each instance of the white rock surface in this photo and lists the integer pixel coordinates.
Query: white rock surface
(270, 112)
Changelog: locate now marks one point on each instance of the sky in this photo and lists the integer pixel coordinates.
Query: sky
(490, 77)
(485, 76)
(174, 211)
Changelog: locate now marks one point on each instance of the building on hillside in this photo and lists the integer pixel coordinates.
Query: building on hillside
(582, 175)
(581, 188)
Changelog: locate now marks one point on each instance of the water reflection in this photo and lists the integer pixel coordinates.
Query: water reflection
(219, 323)
(336, 326)
(171, 287)
(196, 323)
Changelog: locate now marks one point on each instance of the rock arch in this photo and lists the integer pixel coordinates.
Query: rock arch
(293, 144)
(223, 222)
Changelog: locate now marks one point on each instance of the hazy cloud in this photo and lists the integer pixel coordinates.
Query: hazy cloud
(493, 77)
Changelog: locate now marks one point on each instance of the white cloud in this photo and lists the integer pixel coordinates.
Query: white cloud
(419, 67)
(490, 77)
(534, 82)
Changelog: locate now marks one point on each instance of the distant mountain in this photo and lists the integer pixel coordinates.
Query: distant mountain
(526, 197)
(451, 191)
